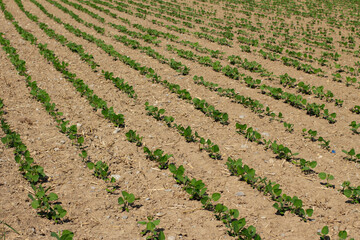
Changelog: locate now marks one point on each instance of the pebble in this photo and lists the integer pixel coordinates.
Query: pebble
(168, 190)
(124, 217)
(56, 149)
(171, 238)
(116, 130)
(159, 214)
(265, 134)
(117, 177)
(62, 142)
(147, 199)
(241, 116)
(176, 186)
(93, 188)
(239, 194)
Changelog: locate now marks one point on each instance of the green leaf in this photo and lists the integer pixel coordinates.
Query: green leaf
(35, 204)
(325, 230)
(53, 197)
(216, 196)
(298, 203)
(347, 193)
(80, 140)
(313, 164)
(121, 201)
(161, 236)
(131, 198)
(142, 223)
(309, 212)
(55, 235)
(343, 234)
(150, 226)
(277, 192)
(322, 175)
(215, 148)
(90, 165)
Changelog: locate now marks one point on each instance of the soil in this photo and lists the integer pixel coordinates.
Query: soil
(92, 212)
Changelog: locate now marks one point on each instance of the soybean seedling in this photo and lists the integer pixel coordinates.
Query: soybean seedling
(289, 127)
(134, 138)
(323, 234)
(154, 234)
(328, 177)
(65, 235)
(126, 200)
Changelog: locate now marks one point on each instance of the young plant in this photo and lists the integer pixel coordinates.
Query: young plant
(153, 233)
(355, 109)
(311, 134)
(292, 204)
(44, 203)
(289, 127)
(101, 170)
(158, 156)
(126, 200)
(323, 234)
(354, 127)
(328, 177)
(65, 235)
(351, 192)
(134, 138)
(351, 155)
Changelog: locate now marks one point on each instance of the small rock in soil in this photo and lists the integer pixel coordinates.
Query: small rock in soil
(117, 177)
(240, 194)
(124, 217)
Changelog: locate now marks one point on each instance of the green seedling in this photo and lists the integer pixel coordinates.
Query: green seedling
(351, 192)
(153, 233)
(44, 203)
(307, 166)
(351, 155)
(154, 111)
(127, 200)
(343, 235)
(324, 144)
(355, 109)
(328, 178)
(281, 151)
(289, 127)
(323, 234)
(187, 133)
(158, 156)
(311, 134)
(65, 235)
(101, 170)
(294, 205)
(83, 155)
(339, 102)
(211, 148)
(354, 127)
(207, 201)
(134, 138)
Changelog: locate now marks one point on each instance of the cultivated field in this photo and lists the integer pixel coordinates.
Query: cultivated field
(179, 119)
